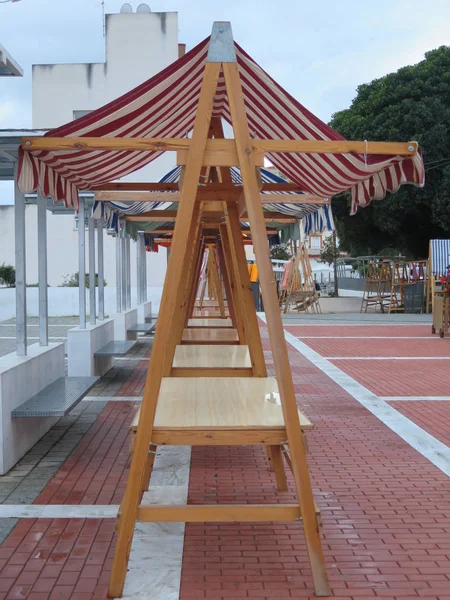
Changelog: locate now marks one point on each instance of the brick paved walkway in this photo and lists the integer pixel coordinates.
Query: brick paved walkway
(385, 507)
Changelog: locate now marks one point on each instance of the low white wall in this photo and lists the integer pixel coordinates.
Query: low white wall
(63, 302)
(21, 377)
(82, 344)
(122, 322)
(350, 293)
(144, 311)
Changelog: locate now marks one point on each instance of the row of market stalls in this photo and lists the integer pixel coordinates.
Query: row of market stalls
(212, 204)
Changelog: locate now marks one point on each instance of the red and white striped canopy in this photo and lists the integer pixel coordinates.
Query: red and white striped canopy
(165, 106)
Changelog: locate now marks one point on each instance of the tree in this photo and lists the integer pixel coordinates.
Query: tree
(329, 254)
(7, 275)
(411, 104)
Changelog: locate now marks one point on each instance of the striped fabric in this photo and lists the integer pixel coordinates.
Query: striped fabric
(165, 106)
(318, 218)
(440, 257)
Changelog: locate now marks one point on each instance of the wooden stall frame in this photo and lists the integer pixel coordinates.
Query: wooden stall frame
(176, 301)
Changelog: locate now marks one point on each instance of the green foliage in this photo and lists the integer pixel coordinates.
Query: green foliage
(7, 275)
(280, 252)
(73, 280)
(411, 104)
(329, 252)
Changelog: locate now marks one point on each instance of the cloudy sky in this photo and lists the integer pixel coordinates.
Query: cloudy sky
(319, 51)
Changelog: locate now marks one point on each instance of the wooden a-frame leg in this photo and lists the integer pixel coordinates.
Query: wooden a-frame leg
(149, 467)
(275, 326)
(179, 248)
(278, 466)
(230, 294)
(197, 283)
(233, 276)
(248, 308)
(216, 282)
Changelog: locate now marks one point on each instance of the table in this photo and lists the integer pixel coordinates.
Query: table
(217, 335)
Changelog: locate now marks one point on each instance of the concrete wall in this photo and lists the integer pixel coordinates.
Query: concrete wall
(62, 247)
(21, 377)
(63, 302)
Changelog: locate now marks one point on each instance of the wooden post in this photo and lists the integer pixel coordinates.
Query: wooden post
(275, 326)
(179, 248)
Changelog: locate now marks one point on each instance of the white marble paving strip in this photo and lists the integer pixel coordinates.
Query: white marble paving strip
(37, 325)
(13, 337)
(154, 569)
(365, 337)
(58, 511)
(137, 358)
(386, 357)
(112, 399)
(427, 445)
(415, 398)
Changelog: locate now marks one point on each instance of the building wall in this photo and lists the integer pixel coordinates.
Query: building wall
(138, 46)
(62, 248)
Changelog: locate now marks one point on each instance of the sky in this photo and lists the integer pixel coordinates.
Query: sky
(318, 51)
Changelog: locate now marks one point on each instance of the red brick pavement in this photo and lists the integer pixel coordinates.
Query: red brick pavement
(400, 377)
(360, 331)
(385, 510)
(431, 415)
(58, 559)
(376, 347)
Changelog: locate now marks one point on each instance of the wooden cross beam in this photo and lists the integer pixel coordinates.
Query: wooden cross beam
(218, 149)
(207, 195)
(169, 216)
(136, 186)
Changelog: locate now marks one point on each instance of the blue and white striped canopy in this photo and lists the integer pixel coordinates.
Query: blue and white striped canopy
(317, 218)
(440, 257)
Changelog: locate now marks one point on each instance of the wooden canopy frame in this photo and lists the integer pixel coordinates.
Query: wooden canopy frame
(191, 234)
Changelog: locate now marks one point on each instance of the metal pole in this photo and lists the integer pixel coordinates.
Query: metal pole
(92, 306)
(124, 272)
(139, 269)
(81, 264)
(128, 242)
(101, 272)
(144, 267)
(118, 273)
(21, 281)
(42, 269)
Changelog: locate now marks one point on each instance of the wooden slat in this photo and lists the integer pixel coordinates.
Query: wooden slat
(219, 437)
(211, 513)
(211, 372)
(169, 216)
(218, 158)
(208, 188)
(219, 145)
(207, 196)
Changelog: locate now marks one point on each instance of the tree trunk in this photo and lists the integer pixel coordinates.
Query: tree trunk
(336, 286)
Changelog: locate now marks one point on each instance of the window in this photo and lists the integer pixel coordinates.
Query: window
(315, 242)
(80, 113)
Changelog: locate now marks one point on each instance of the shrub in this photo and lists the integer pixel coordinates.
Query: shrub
(7, 275)
(73, 280)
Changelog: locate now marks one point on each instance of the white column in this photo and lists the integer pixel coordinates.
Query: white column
(101, 272)
(42, 269)
(128, 242)
(139, 268)
(92, 304)
(118, 273)
(144, 267)
(20, 250)
(124, 270)
(81, 264)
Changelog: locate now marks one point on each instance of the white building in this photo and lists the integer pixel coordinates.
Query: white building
(138, 45)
